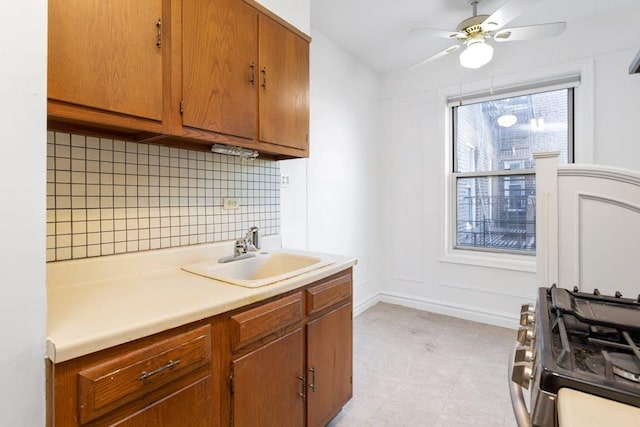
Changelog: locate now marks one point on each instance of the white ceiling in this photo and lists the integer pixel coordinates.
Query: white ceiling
(377, 31)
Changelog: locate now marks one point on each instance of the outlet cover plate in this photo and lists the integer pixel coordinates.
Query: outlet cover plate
(230, 203)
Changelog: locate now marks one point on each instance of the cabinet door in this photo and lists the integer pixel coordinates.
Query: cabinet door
(219, 63)
(330, 366)
(191, 406)
(284, 86)
(104, 54)
(268, 389)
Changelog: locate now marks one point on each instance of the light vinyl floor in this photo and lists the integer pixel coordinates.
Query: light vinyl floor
(415, 368)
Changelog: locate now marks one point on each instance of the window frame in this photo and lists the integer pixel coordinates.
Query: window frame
(530, 90)
(584, 109)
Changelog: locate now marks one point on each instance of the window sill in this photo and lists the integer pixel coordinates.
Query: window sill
(524, 263)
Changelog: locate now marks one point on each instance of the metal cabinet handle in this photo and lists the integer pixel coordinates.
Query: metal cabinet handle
(159, 39)
(264, 78)
(170, 364)
(312, 385)
(303, 393)
(253, 74)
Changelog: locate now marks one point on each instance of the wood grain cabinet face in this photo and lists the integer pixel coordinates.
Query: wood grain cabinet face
(107, 55)
(329, 365)
(241, 69)
(219, 66)
(310, 367)
(188, 73)
(257, 323)
(328, 293)
(284, 86)
(269, 384)
(163, 383)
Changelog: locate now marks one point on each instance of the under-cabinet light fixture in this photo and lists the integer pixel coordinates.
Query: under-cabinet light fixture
(229, 150)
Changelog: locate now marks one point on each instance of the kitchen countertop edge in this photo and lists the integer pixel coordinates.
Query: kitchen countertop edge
(88, 317)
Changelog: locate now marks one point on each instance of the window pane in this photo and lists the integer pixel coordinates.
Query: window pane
(503, 134)
(496, 212)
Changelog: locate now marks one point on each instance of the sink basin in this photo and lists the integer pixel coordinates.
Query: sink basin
(261, 270)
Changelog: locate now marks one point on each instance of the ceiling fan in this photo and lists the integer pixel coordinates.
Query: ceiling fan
(474, 32)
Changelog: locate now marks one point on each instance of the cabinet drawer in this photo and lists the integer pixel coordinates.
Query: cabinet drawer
(252, 325)
(331, 292)
(107, 386)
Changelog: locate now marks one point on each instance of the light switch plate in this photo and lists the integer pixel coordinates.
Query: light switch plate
(230, 203)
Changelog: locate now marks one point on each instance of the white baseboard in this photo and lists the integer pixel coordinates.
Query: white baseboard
(360, 308)
(460, 311)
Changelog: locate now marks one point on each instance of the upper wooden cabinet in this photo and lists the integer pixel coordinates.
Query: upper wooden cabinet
(284, 86)
(244, 75)
(219, 66)
(181, 72)
(105, 62)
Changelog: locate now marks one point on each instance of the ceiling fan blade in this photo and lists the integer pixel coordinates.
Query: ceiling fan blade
(436, 56)
(505, 14)
(530, 32)
(434, 32)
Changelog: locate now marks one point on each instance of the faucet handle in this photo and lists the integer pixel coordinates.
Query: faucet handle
(240, 247)
(253, 238)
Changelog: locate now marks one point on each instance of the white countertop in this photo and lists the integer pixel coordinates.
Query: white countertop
(577, 409)
(98, 303)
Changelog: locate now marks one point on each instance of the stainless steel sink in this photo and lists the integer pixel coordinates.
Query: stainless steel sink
(261, 270)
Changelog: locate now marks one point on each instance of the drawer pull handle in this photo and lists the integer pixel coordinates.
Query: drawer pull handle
(170, 364)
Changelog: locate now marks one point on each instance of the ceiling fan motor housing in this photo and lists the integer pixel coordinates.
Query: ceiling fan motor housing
(472, 26)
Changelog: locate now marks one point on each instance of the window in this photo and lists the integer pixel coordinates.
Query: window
(493, 167)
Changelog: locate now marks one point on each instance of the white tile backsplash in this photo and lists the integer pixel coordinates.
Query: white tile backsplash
(107, 196)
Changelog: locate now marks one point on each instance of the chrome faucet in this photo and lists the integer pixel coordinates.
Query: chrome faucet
(253, 240)
(250, 243)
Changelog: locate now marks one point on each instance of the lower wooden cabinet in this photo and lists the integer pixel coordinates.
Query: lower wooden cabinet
(295, 378)
(190, 406)
(329, 365)
(269, 385)
(164, 380)
(284, 362)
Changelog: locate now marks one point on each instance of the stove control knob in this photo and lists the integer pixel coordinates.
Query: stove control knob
(525, 335)
(527, 308)
(527, 314)
(527, 319)
(522, 374)
(523, 354)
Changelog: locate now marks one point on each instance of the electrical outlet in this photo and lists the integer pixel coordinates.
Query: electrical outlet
(230, 203)
(285, 180)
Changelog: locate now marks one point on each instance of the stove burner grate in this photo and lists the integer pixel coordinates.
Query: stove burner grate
(626, 366)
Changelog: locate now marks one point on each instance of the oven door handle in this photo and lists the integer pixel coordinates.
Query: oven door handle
(517, 398)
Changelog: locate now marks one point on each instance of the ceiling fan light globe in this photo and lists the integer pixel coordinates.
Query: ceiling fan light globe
(507, 120)
(477, 54)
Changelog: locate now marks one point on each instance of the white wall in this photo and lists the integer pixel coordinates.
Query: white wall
(23, 44)
(332, 204)
(296, 12)
(418, 273)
